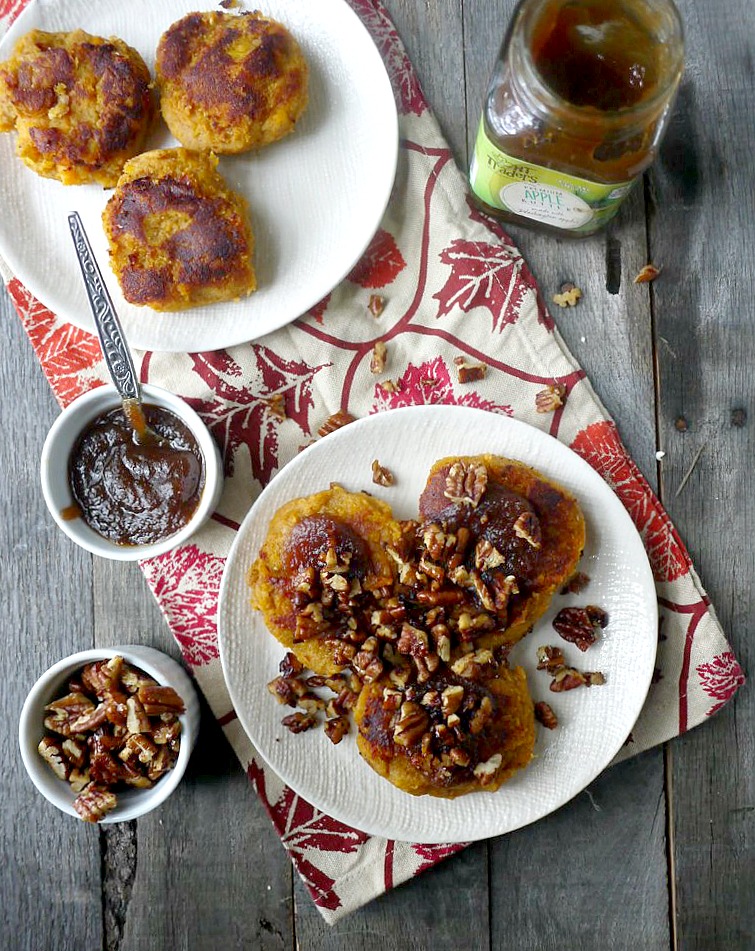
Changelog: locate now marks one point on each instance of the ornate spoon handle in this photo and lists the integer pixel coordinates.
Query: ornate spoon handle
(114, 348)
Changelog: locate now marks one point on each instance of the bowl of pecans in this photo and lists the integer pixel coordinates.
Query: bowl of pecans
(106, 734)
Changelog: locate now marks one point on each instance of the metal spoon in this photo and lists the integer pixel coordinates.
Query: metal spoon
(112, 340)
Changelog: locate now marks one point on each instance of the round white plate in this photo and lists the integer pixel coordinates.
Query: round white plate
(316, 197)
(594, 722)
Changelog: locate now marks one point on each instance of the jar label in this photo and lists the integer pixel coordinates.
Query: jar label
(542, 194)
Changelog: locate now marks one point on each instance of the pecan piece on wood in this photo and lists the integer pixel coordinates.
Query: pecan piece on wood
(569, 296)
(646, 274)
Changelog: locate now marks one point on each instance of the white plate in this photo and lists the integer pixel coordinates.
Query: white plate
(316, 197)
(593, 722)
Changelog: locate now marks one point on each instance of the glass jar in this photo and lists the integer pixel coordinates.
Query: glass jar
(577, 105)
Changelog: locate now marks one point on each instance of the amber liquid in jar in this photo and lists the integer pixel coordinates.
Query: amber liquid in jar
(577, 105)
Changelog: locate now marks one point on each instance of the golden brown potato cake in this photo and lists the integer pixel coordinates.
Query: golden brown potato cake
(526, 535)
(323, 557)
(179, 236)
(448, 736)
(230, 82)
(81, 105)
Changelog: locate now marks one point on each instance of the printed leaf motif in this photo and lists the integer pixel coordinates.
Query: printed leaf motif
(240, 415)
(380, 264)
(483, 275)
(186, 584)
(71, 357)
(432, 854)
(305, 832)
(317, 312)
(721, 678)
(430, 383)
(406, 89)
(10, 9)
(600, 445)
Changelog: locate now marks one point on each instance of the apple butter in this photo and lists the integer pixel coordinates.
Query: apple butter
(132, 489)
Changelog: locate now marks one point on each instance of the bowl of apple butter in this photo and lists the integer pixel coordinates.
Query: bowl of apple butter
(125, 494)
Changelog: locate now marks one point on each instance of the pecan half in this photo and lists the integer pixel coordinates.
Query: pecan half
(579, 625)
(527, 526)
(466, 482)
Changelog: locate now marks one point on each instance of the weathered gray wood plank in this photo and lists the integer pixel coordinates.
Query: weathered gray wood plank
(210, 851)
(701, 232)
(50, 874)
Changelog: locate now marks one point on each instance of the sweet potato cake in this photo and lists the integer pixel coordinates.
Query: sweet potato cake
(81, 105)
(230, 82)
(179, 236)
(449, 735)
(523, 535)
(317, 572)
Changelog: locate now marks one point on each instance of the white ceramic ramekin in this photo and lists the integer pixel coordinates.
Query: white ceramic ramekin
(133, 802)
(57, 489)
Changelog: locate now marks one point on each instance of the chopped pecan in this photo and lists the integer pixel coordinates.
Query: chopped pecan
(485, 772)
(411, 724)
(469, 372)
(569, 296)
(101, 677)
(63, 713)
(466, 482)
(472, 665)
(381, 475)
(550, 658)
(290, 666)
(51, 752)
(567, 678)
(435, 540)
(412, 641)
(451, 699)
(379, 357)
(549, 399)
(578, 582)
(648, 273)
(299, 722)
(527, 526)
(579, 626)
(76, 752)
(503, 587)
(336, 421)
(157, 699)
(481, 717)
(594, 678)
(376, 305)
(544, 714)
(336, 729)
(486, 556)
(94, 802)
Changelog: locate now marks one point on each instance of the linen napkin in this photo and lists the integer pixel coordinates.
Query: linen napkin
(451, 284)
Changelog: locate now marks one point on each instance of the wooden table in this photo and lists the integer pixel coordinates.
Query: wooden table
(659, 852)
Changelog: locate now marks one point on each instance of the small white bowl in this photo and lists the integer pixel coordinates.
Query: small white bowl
(57, 489)
(133, 802)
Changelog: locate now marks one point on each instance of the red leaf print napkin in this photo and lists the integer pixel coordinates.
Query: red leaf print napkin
(453, 285)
